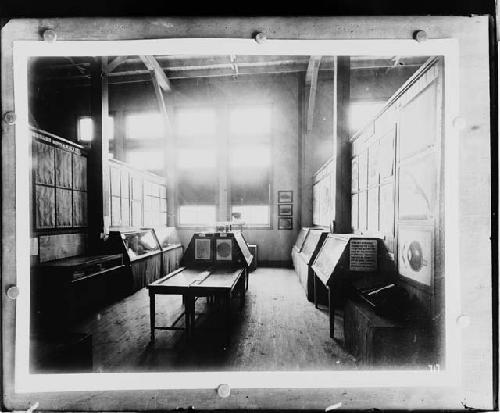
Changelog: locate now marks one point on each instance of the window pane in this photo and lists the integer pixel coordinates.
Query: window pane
(85, 128)
(197, 215)
(196, 121)
(196, 158)
(361, 112)
(146, 160)
(144, 126)
(250, 156)
(250, 120)
(253, 214)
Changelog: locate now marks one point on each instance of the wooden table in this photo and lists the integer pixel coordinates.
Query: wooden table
(222, 284)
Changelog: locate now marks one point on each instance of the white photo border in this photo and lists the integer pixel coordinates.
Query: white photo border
(449, 376)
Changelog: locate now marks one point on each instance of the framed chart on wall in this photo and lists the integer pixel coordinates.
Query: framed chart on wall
(285, 197)
(415, 253)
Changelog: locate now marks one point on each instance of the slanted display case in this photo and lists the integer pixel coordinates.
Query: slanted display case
(81, 284)
(171, 248)
(304, 259)
(299, 243)
(348, 261)
(141, 251)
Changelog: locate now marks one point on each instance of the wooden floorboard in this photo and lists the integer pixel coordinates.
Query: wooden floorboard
(277, 329)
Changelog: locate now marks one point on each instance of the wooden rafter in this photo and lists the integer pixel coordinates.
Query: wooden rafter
(154, 67)
(117, 61)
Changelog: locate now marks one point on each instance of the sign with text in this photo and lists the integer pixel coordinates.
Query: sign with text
(363, 255)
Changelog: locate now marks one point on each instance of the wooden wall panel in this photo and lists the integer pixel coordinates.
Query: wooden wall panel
(53, 247)
(114, 174)
(79, 209)
(418, 123)
(44, 168)
(64, 206)
(45, 207)
(79, 172)
(63, 169)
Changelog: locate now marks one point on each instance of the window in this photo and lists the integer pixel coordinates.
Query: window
(144, 126)
(197, 152)
(145, 141)
(249, 163)
(197, 215)
(227, 148)
(85, 128)
(145, 159)
(253, 215)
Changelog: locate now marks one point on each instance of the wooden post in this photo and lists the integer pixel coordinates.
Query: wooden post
(98, 168)
(342, 148)
(168, 153)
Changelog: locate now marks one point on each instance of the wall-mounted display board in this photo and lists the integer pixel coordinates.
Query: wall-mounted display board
(59, 182)
(138, 198)
(403, 205)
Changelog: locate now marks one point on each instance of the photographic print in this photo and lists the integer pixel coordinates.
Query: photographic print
(186, 130)
(285, 210)
(285, 223)
(285, 197)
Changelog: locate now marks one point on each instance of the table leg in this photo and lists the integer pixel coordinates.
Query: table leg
(152, 315)
(331, 311)
(187, 314)
(315, 283)
(227, 310)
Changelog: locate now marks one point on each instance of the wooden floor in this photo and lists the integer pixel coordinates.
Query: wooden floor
(277, 329)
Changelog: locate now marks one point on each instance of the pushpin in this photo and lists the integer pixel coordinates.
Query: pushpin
(13, 292)
(459, 123)
(223, 390)
(49, 35)
(420, 35)
(463, 321)
(260, 37)
(9, 118)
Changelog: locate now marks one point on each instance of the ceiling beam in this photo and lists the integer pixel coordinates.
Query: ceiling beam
(153, 66)
(312, 80)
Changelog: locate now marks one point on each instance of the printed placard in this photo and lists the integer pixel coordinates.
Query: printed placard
(363, 255)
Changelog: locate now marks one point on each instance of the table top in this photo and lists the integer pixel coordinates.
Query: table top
(197, 281)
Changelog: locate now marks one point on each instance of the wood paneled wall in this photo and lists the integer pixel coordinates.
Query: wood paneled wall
(396, 169)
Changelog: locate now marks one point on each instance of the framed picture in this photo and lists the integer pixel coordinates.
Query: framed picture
(285, 197)
(285, 223)
(285, 210)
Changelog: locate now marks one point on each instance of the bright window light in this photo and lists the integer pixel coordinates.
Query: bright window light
(194, 158)
(361, 112)
(256, 215)
(146, 160)
(250, 120)
(197, 215)
(144, 126)
(250, 156)
(196, 121)
(85, 128)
